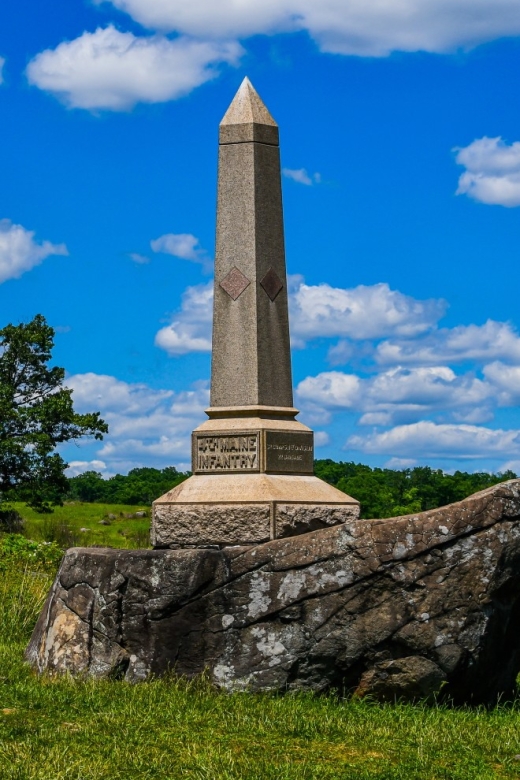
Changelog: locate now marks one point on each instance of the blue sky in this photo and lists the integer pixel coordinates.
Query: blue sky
(400, 133)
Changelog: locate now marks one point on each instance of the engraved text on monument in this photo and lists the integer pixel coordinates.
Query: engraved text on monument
(226, 452)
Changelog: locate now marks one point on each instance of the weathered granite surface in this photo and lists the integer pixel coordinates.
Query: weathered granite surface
(405, 607)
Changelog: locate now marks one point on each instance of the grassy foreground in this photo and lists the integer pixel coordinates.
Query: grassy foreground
(80, 524)
(64, 729)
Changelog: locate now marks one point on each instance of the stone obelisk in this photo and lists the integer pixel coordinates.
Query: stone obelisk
(252, 461)
(251, 359)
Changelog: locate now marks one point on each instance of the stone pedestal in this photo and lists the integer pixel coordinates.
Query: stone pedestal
(252, 481)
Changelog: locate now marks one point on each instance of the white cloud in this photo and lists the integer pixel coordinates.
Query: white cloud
(362, 27)
(301, 176)
(138, 258)
(318, 311)
(331, 389)
(506, 380)
(363, 312)
(321, 438)
(113, 395)
(418, 392)
(426, 439)
(190, 330)
(400, 463)
(511, 465)
(109, 69)
(77, 467)
(183, 245)
(492, 172)
(2, 63)
(491, 341)
(146, 426)
(207, 19)
(401, 394)
(19, 252)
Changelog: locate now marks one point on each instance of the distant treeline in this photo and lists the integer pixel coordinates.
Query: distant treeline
(388, 493)
(382, 492)
(139, 486)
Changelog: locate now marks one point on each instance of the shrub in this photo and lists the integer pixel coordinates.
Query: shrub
(15, 548)
(11, 521)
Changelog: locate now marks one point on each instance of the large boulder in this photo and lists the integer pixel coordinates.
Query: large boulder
(409, 607)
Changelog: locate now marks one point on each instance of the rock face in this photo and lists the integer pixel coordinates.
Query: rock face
(406, 607)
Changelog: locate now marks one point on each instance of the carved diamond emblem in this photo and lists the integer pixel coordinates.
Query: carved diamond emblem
(272, 283)
(234, 283)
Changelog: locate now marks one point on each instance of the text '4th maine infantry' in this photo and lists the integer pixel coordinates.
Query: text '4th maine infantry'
(227, 453)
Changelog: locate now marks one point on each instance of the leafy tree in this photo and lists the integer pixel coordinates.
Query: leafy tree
(36, 414)
(139, 486)
(388, 492)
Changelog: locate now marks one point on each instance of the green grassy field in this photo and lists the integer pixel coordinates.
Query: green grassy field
(65, 525)
(65, 729)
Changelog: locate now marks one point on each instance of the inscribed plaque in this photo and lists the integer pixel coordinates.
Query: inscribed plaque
(289, 452)
(225, 453)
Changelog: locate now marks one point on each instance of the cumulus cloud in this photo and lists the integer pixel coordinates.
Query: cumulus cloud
(363, 312)
(19, 252)
(77, 467)
(492, 172)
(427, 439)
(317, 311)
(491, 341)
(321, 438)
(190, 329)
(146, 426)
(400, 463)
(422, 391)
(511, 465)
(113, 395)
(401, 394)
(112, 70)
(360, 27)
(183, 245)
(301, 176)
(506, 380)
(331, 389)
(415, 381)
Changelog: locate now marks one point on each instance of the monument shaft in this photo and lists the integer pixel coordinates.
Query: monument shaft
(251, 361)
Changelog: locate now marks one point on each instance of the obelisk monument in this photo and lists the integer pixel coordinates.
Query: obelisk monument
(252, 461)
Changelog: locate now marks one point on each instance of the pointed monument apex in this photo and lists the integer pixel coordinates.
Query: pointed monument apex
(247, 119)
(247, 106)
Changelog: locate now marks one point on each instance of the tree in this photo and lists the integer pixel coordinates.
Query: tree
(139, 486)
(388, 492)
(36, 414)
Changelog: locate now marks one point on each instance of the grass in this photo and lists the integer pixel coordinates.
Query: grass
(65, 525)
(98, 730)
(66, 729)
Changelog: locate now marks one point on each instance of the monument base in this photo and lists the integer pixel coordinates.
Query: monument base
(241, 509)
(253, 481)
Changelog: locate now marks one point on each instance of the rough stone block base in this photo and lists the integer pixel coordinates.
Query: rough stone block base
(238, 509)
(184, 525)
